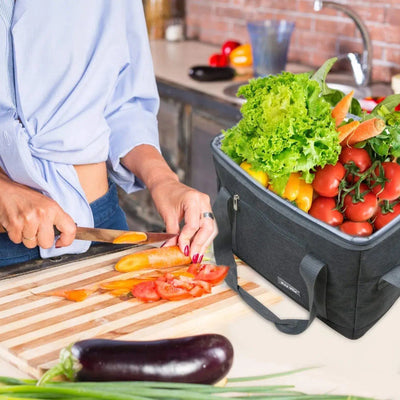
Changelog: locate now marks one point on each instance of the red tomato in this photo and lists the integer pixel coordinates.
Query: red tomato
(391, 189)
(383, 219)
(357, 228)
(146, 291)
(218, 60)
(170, 291)
(327, 179)
(213, 274)
(359, 157)
(324, 209)
(228, 46)
(362, 210)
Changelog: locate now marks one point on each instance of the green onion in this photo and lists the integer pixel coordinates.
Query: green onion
(20, 389)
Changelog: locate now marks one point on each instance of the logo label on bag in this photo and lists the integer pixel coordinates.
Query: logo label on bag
(288, 286)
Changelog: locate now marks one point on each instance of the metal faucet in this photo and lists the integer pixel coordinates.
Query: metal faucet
(360, 63)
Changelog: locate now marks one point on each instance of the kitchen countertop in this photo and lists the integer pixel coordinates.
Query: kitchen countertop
(172, 61)
(369, 366)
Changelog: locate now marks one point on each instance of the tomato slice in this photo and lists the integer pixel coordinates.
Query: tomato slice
(146, 291)
(168, 291)
(213, 274)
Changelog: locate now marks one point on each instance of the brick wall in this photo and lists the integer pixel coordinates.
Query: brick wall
(317, 36)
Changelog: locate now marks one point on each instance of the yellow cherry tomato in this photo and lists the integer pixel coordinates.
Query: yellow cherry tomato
(292, 187)
(305, 197)
(259, 176)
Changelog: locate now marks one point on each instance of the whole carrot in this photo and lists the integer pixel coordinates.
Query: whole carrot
(153, 258)
(346, 130)
(341, 109)
(366, 130)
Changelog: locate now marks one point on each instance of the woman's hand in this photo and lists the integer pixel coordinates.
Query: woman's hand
(29, 217)
(175, 202)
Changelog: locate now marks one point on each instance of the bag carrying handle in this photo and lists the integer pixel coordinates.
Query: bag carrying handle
(312, 271)
(392, 277)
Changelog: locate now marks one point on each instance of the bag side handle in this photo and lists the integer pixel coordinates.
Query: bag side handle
(391, 277)
(312, 270)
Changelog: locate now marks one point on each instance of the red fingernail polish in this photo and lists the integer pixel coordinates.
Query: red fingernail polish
(195, 258)
(186, 251)
(200, 258)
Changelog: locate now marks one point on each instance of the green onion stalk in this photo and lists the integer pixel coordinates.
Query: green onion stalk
(235, 388)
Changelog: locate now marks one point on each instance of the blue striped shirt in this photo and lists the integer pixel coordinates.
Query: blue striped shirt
(79, 77)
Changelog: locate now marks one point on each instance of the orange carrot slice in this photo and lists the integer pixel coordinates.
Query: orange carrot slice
(119, 292)
(74, 294)
(122, 284)
(366, 130)
(153, 258)
(341, 109)
(346, 130)
(130, 237)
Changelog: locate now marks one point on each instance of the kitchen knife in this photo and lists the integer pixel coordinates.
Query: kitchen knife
(116, 236)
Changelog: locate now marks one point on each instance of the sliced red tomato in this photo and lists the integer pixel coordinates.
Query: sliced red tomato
(326, 181)
(213, 274)
(169, 291)
(362, 210)
(324, 209)
(383, 219)
(391, 188)
(146, 291)
(357, 228)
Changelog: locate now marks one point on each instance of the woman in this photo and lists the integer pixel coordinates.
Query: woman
(78, 105)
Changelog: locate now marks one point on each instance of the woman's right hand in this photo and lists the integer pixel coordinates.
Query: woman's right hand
(29, 217)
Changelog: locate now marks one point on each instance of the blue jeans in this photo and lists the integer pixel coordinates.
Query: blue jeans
(106, 213)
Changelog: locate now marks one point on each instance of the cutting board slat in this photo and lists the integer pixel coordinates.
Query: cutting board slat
(34, 327)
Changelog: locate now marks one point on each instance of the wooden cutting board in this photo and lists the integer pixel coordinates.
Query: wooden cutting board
(34, 328)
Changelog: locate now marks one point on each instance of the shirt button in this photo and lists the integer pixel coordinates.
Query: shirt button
(7, 139)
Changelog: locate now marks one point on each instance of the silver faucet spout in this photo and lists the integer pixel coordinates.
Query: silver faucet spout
(361, 64)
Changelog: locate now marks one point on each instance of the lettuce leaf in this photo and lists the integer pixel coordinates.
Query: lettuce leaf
(286, 127)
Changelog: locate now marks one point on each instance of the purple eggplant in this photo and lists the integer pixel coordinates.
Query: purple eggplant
(205, 359)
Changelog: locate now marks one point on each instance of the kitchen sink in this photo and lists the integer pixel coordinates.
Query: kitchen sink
(359, 92)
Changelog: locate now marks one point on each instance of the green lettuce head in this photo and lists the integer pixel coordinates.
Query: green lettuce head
(286, 127)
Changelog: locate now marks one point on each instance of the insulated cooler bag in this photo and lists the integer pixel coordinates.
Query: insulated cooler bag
(346, 281)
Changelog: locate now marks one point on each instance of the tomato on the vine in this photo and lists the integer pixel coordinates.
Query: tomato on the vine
(359, 157)
(383, 219)
(361, 210)
(391, 188)
(357, 228)
(324, 209)
(326, 180)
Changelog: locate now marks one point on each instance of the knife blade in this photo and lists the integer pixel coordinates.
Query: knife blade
(121, 237)
(116, 236)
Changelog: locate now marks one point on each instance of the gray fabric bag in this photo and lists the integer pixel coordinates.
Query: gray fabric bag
(348, 282)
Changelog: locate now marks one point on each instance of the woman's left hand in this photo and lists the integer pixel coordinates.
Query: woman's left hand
(177, 202)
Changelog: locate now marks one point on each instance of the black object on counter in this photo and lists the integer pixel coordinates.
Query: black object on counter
(205, 73)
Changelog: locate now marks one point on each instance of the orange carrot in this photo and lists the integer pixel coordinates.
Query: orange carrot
(341, 109)
(346, 130)
(153, 258)
(130, 237)
(366, 130)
